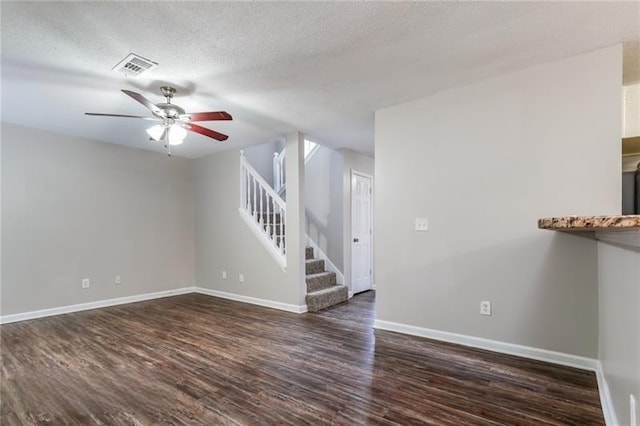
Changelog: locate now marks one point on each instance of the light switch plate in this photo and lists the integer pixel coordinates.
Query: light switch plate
(422, 224)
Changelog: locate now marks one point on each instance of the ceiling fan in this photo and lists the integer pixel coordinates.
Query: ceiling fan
(174, 121)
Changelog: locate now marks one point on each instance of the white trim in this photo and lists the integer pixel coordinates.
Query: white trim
(312, 152)
(606, 402)
(319, 254)
(6, 319)
(560, 358)
(253, 300)
(262, 237)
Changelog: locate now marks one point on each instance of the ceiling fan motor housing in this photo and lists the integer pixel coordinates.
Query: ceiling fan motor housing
(167, 109)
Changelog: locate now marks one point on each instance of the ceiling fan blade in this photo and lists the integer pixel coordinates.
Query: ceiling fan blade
(121, 115)
(144, 101)
(204, 131)
(207, 116)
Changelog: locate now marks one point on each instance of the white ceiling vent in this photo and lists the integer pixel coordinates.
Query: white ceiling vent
(134, 65)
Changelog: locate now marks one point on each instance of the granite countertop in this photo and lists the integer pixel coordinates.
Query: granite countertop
(590, 223)
(621, 229)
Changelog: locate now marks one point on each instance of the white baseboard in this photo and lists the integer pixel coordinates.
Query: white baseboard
(253, 300)
(608, 411)
(553, 357)
(6, 319)
(476, 342)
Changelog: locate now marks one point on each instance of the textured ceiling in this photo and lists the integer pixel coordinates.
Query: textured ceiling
(321, 68)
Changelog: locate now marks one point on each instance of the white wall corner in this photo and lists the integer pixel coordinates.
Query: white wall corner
(295, 220)
(606, 402)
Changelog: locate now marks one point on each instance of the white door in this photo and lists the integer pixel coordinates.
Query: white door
(361, 232)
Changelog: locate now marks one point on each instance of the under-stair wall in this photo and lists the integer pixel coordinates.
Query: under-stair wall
(324, 203)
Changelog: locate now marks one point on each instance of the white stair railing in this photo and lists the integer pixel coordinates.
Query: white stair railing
(279, 177)
(263, 210)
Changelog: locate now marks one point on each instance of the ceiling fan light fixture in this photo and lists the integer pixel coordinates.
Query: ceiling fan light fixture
(176, 135)
(156, 132)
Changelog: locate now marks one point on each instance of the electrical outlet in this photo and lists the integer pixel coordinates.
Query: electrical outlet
(633, 414)
(118, 279)
(485, 307)
(86, 283)
(422, 224)
(241, 278)
(224, 275)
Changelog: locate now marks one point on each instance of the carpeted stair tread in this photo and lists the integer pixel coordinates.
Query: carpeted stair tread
(322, 288)
(314, 266)
(320, 281)
(324, 298)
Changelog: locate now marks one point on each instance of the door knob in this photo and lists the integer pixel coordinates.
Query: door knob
(355, 240)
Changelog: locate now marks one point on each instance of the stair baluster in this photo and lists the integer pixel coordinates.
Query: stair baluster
(257, 200)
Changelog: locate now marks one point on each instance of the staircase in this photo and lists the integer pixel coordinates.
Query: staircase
(322, 289)
(264, 211)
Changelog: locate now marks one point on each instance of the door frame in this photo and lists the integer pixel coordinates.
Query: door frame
(371, 250)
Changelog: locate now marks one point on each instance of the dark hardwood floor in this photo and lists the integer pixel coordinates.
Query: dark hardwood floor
(196, 359)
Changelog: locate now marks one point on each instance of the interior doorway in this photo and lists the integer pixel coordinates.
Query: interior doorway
(361, 232)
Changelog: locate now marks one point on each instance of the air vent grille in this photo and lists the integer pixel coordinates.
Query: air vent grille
(134, 65)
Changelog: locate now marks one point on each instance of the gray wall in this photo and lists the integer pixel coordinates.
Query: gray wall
(324, 204)
(74, 208)
(619, 307)
(261, 158)
(483, 163)
(224, 242)
(352, 160)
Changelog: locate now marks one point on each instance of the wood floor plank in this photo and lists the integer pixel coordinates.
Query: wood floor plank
(196, 359)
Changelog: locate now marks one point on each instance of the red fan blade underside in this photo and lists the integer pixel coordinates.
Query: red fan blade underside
(204, 131)
(209, 116)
